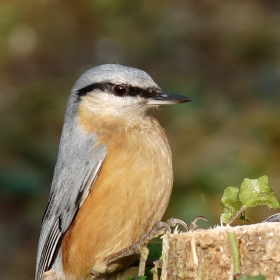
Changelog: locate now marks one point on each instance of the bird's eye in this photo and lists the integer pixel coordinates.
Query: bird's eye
(119, 90)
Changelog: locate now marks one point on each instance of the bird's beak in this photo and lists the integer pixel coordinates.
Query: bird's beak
(166, 98)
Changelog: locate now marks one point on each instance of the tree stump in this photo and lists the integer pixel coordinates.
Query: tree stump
(223, 253)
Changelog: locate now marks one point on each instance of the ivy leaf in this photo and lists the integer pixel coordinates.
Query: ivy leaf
(230, 204)
(254, 192)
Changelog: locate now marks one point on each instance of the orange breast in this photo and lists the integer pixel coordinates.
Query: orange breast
(129, 196)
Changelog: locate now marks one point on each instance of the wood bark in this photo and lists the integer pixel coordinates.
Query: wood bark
(209, 254)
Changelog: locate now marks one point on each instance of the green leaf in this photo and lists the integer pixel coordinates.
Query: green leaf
(230, 204)
(254, 192)
(155, 251)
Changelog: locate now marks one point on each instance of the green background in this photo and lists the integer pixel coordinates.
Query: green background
(225, 55)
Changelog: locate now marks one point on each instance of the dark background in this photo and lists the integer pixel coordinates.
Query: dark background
(225, 55)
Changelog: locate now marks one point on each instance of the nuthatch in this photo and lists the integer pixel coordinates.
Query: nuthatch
(113, 177)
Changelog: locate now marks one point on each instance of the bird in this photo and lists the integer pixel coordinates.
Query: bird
(113, 176)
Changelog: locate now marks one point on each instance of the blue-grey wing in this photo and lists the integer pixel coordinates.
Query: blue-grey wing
(77, 168)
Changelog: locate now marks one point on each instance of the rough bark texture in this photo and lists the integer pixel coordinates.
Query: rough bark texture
(208, 254)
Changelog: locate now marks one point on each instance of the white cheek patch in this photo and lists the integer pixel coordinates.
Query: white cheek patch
(102, 103)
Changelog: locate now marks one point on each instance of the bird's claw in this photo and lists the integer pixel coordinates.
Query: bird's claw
(273, 218)
(173, 222)
(160, 226)
(193, 226)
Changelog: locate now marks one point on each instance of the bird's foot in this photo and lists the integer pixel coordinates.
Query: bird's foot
(140, 247)
(157, 265)
(193, 226)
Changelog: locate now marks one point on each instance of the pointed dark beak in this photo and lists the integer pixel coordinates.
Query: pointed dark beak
(166, 98)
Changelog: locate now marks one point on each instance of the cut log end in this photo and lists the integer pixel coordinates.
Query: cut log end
(209, 254)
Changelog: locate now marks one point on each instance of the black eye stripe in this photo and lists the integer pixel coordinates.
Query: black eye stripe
(131, 91)
(90, 88)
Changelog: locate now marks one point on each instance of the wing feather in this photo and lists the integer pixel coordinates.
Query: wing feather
(74, 176)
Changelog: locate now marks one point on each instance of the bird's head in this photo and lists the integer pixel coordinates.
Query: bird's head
(116, 90)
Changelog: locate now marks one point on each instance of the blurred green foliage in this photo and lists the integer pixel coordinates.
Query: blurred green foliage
(225, 55)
